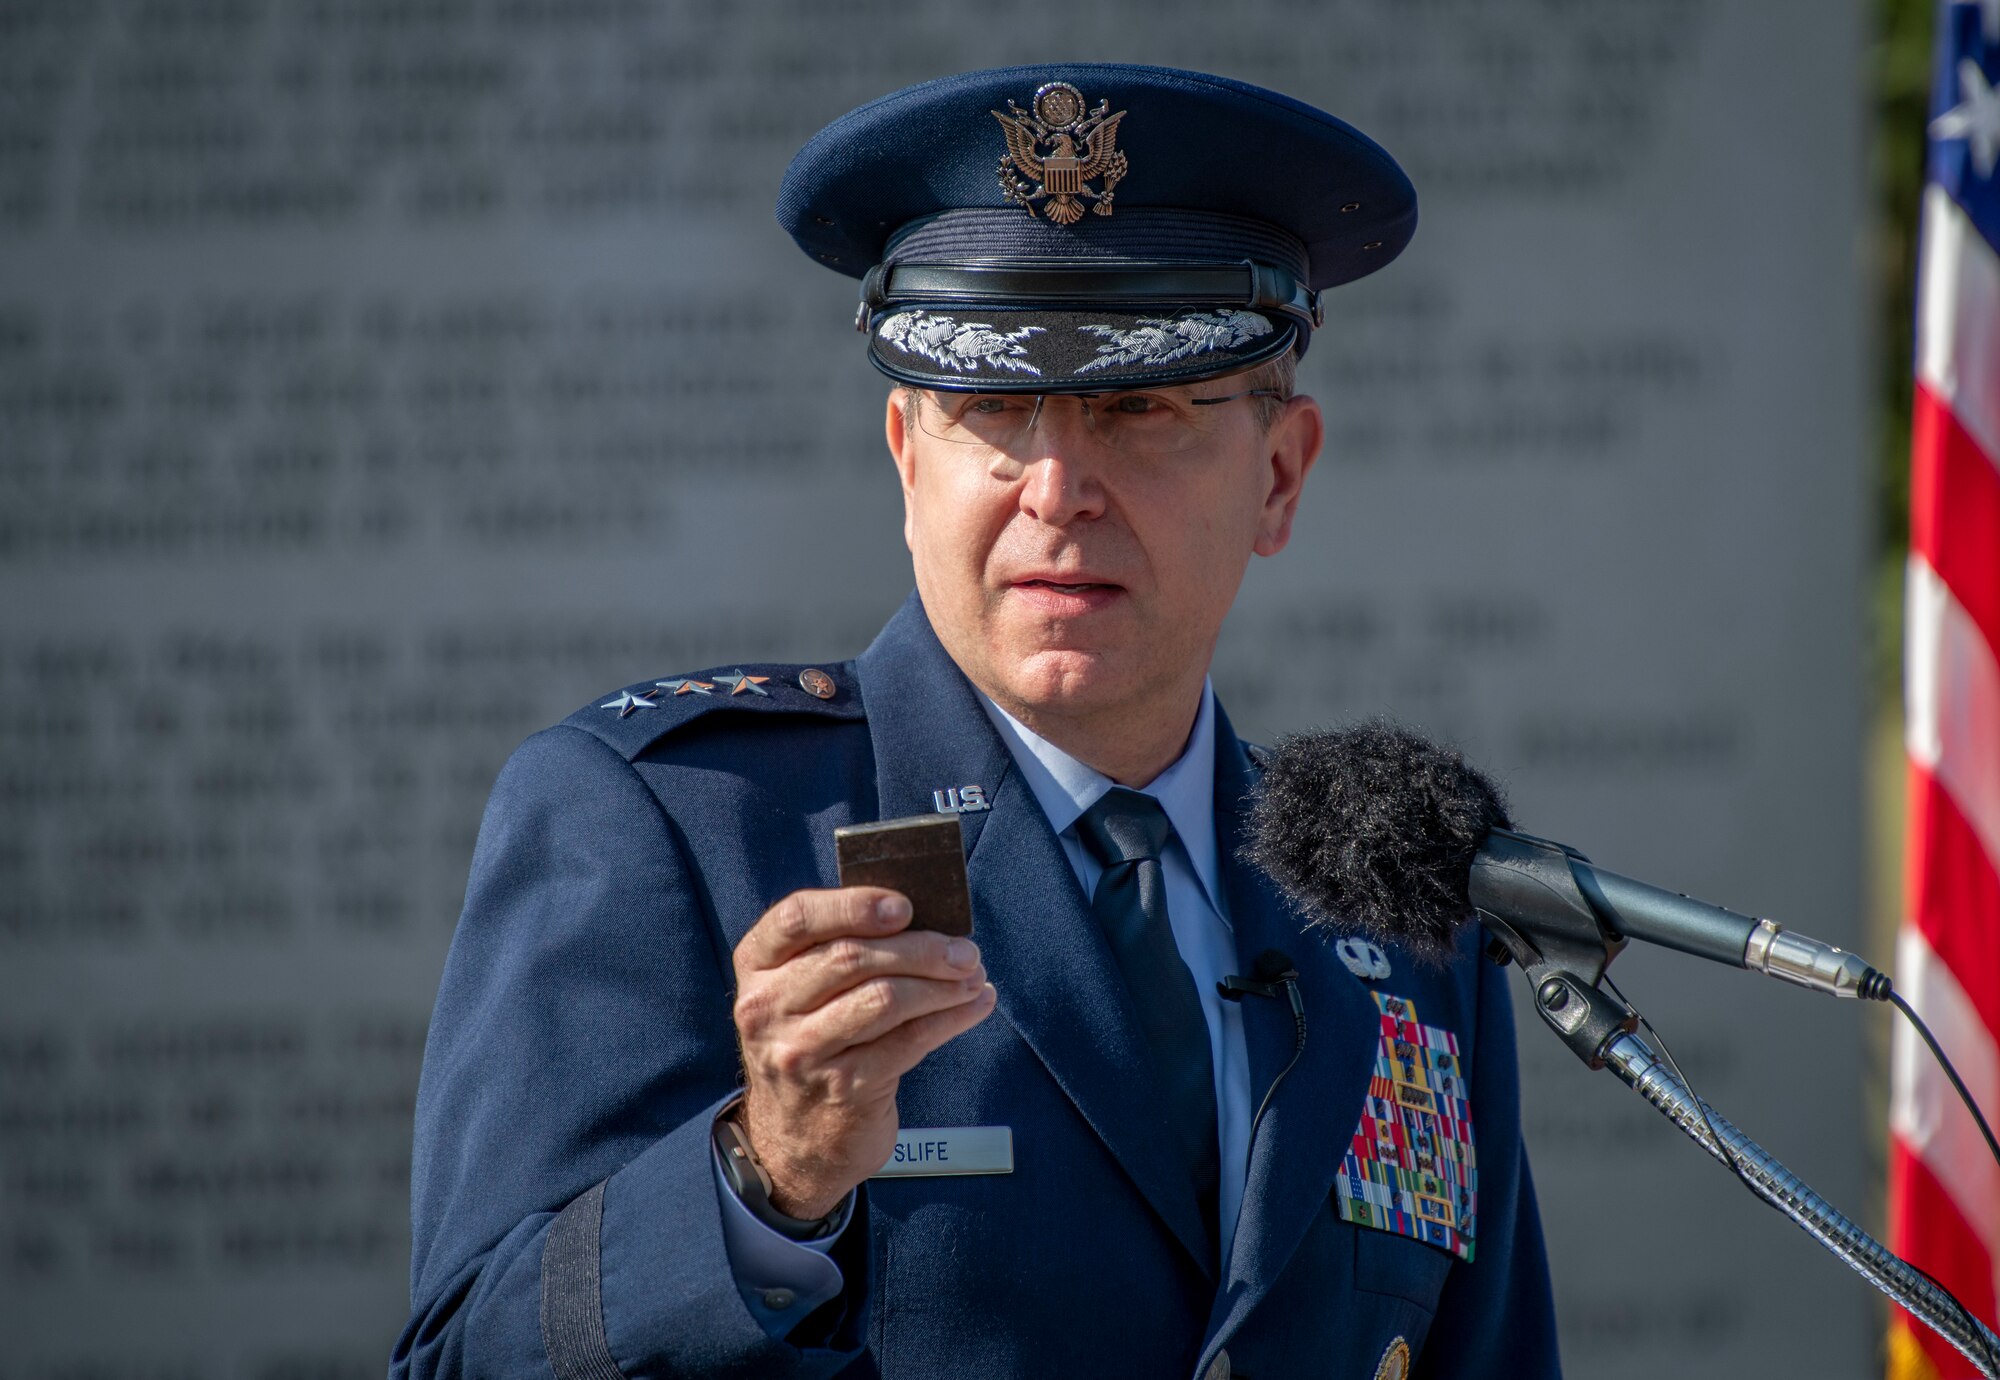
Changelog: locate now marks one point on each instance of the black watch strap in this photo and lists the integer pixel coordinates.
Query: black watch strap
(752, 1185)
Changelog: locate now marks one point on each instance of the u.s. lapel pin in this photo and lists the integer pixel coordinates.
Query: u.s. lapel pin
(960, 800)
(1363, 959)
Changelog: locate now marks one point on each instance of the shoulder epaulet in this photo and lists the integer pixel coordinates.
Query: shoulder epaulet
(631, 720)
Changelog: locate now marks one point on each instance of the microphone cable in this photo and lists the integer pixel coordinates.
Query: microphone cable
(1276, 972)
(1291, 984)
(1876, 985)
(1891, 995)
(1728, 1155)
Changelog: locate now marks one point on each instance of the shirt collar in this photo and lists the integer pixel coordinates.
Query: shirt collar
(1065, 787)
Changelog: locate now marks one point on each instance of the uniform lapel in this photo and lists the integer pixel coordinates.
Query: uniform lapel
(1057, 982)
(928, 731)
(1312, 1116)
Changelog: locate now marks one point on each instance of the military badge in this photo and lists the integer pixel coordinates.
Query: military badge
(1056, 149)
(1410, 1168)
(1363, 959)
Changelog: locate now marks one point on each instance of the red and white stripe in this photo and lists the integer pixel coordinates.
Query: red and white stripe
(1944, 1187)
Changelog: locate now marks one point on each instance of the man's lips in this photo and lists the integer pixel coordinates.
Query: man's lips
(1064, 586)
(1066, 596)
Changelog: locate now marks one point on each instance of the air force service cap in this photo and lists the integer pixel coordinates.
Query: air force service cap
(1085, 227)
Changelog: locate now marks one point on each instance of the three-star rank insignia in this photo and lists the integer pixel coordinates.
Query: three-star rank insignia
(741, 684)
(1410, 1168)
(1055, 149)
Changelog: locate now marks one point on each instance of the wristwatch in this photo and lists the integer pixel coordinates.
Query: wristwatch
(751, 1183)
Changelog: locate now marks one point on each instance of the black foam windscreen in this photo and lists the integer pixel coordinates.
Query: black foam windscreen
(1373, 828)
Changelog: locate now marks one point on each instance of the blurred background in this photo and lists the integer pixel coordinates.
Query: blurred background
(380, 380)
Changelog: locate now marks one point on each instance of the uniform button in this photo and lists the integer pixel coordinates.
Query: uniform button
(1218, 1369)
(778, 1300)
(817, 683)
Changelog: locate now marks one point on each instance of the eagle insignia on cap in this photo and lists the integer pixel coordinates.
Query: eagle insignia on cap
(1082, 148)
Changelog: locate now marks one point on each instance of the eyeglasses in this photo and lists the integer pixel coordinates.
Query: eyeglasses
(1145, 421)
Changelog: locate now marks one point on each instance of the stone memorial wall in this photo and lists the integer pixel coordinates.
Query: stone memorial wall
(382, 379)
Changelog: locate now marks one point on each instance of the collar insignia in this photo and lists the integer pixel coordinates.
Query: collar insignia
(1082, 147)
(960, 800)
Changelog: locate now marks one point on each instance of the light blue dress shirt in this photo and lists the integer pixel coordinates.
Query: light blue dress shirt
(783, 1280)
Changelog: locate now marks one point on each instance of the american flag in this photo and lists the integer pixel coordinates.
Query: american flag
(1944, 1188)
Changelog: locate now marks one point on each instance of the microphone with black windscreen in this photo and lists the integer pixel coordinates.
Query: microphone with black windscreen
(1375, 828)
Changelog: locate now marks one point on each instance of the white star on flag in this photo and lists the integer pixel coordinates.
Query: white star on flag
(1975, 119)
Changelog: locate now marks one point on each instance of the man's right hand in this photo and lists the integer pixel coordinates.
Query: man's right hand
(836, 999)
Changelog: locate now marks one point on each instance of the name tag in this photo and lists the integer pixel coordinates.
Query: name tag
(935, 1150)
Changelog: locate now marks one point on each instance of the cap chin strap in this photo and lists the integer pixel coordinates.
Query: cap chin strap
(1021, 283)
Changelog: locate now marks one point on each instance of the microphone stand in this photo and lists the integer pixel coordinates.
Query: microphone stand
(1564, 955)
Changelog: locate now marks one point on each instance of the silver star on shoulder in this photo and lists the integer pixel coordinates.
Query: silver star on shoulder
(627, 701)
(740, 683)
(1976, 118)
(688, 686)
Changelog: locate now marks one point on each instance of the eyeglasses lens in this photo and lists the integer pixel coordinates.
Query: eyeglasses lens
(1153, 423)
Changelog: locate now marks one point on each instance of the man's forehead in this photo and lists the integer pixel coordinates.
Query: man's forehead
(1091, 227)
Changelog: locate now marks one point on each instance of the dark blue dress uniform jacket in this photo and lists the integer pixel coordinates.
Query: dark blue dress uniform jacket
(582, 1041)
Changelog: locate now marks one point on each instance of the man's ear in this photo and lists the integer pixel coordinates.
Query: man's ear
(1290, 447)
(896, 428)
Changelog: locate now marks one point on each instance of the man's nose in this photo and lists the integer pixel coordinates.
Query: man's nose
(1061, 480)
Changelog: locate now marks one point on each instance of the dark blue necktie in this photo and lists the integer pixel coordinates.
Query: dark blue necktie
(1125, 832)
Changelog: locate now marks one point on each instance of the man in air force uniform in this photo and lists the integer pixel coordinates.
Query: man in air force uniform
(688, 1108)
